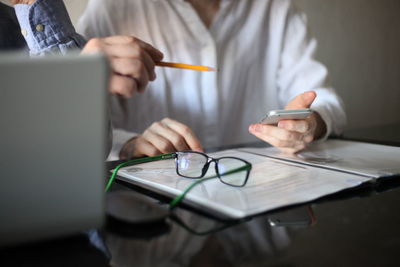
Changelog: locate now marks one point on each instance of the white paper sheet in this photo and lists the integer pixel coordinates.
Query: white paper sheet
(354, 157)
(272, 184)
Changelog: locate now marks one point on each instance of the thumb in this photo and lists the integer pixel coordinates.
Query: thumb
(303, 100)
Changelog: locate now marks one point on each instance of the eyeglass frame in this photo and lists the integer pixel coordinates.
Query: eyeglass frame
(215, 160)
(173, 155)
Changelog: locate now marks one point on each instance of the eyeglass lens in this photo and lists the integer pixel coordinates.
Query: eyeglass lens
(226, 169)
(191, 164)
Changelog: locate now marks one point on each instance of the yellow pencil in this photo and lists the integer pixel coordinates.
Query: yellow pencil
(184, 66)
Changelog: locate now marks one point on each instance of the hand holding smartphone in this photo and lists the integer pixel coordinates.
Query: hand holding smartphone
(274, 116)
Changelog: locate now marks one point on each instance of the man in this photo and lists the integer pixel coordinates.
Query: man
(264, 59)
(10, 32)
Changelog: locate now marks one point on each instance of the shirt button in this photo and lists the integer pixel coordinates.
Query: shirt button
(40, 28)
(24, 32)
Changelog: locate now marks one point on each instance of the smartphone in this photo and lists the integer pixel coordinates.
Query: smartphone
(274, 116)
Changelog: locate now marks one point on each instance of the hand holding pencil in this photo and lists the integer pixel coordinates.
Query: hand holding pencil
(132, 63)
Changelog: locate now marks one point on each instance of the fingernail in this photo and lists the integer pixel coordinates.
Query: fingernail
(198, 149)
(308, 139)
(281, 124)
(310, 95)
(257, 128)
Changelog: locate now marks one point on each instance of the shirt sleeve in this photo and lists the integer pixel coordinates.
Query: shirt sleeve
(119, 138)
(47, 28)
(300, 72)
(100, 19)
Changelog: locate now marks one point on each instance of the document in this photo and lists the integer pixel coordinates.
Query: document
(273, 183)
(359, 158)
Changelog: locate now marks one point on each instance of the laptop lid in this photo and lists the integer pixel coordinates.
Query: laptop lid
(53, 128)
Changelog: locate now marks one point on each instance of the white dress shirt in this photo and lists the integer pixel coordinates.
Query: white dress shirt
(262, 51)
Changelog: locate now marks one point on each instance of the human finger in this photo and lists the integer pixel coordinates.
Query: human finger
(177, 140)
(300, 126)
(156, 54)
(276, 142)
(150, 65)
(145, 148)
(27, 2)
(158, 141)
(94, 45)
(283, 135)
(308, 138)
(185, 132)
(133, 51)
(122, 85)
(303, 100)
(133, 68)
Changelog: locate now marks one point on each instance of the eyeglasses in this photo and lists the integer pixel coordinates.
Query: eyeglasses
(230, 170)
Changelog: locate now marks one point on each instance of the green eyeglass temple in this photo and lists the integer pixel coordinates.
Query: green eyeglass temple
(177, 199)
(136, 161)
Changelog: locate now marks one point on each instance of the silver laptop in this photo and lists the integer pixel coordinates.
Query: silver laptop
(52, 125)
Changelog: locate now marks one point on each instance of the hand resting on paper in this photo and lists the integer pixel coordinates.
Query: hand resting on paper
(164, 136)
(292, 136)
